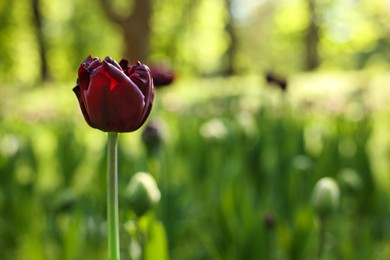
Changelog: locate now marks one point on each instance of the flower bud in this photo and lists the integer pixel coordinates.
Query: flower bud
(326, 196)
(269, 220)
(142, 192)
(152, 137)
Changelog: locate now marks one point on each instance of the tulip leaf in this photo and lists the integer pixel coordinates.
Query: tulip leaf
(156, 246)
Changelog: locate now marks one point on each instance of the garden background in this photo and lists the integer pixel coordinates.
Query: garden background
(240, 155)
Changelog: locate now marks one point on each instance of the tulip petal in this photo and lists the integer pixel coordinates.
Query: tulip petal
(77, 91)
(83, 77)
(114, 103)
(124, 64)
(88, 60)
(115, 74)
(130, 105)
(144, 81)
(94, 64)
(112, 62)
(142, 78)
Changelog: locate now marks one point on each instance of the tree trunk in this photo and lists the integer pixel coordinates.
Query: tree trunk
(44, 72)
(312, 37)
(229, 58)
(135, 27)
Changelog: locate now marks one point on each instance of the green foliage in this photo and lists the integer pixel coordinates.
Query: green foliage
(192, 36)
(238, 162)
(236, 170)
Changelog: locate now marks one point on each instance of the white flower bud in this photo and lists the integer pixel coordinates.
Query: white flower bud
(326, 196)
(142, 192)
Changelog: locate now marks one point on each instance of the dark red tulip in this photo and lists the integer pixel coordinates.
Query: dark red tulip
(162, 75)
(113, 97)
(276, 80)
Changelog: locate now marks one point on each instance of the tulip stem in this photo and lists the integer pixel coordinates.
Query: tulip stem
(322, 237)
(112, 196)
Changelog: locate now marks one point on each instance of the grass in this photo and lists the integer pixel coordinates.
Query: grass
(236, 171)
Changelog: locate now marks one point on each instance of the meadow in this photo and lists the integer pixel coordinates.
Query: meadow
(236, 169)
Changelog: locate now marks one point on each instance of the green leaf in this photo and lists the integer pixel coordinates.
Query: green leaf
(156, 246)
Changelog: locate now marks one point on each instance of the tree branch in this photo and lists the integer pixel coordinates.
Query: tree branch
(40, 39)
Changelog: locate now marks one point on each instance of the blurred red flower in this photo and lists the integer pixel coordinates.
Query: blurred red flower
(162, 75)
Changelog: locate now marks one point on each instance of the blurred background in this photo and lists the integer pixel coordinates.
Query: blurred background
(267, 97)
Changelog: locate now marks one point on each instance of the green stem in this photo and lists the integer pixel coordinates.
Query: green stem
(322, 238)
(112, 196)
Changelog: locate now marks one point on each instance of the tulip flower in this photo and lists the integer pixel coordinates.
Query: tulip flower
(162, 75)
(114, 97)
(276, 80)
